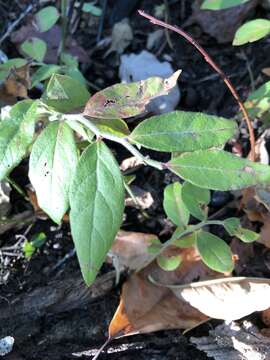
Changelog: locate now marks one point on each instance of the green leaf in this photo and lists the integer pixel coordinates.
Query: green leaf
(233, 227)
(85, 133)
(92, 9)
(126, 100)
(38, 239)
(185, 241)
(221, 4)
(174, 206)
(16, 135)
(35, 48)
(65, 94)
(97, 205)
(28, 249)
(44, 73)
(196, 199)
(46, 18)
(116, 127)
(75, 74)
(169, 263)
(52, 163)
(258, 102)
(183, 131)
(219, 170)
(252, 31)
(215, 253)
(10, 64)
(247, 235)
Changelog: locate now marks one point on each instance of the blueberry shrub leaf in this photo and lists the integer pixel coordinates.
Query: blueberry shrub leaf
(97, 205)
(52, 163)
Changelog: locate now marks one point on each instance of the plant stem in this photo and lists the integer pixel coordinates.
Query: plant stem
(123, 141)
(212, 63)
(186, 232)
(64, 4)
(17, 188)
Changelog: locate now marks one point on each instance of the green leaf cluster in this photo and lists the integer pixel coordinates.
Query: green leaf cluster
(73, 170)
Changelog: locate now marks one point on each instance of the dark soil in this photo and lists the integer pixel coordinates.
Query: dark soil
(60, 332)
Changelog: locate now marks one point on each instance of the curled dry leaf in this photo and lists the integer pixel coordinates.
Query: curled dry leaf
(15, 85)
(141, 199)
(146, 307)
(127, 100)
(228, 298)
(130, 249)
(265, 315)
(130, 163)
(221, 24)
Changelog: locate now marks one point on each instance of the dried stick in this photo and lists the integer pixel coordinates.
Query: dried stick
(211, 62)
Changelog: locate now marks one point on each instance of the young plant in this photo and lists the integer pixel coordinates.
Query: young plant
(90, 185)
(181, 201)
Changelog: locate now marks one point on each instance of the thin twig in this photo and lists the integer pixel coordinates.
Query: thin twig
(211, 62)
(16, 22)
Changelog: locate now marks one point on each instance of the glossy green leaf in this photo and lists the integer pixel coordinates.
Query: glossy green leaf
(65, 94)
(215, 253)
(10, 64)
(75, 74)
(174, 206)
(183, 241)
(52, 163)
(85, 133)
(116, 127)
(34, 48)
(219, 170)
(183, 131)
(44, 72)
(169, 263)
(196, 199)
(258, 102)
(16, 135)
(46, 18)
(97, 205)
(233, 227)
(252, 31)
(247, 235)
(126, 100)
(221, 4)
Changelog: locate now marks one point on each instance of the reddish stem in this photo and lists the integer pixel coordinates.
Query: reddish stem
(211, 62)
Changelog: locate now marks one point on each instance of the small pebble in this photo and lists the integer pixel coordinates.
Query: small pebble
(6, 345)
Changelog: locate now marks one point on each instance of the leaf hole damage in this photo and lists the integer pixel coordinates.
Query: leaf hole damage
(109, 102)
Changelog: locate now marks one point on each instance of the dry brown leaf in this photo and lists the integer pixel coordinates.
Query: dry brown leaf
(40, 214)
(265, 315)
(221, 24)
(15, 85)
(130, 163)
(130, 249)
(146, 307)
(228, 298)
(265, 232)
(141, 199)
(266, 71)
